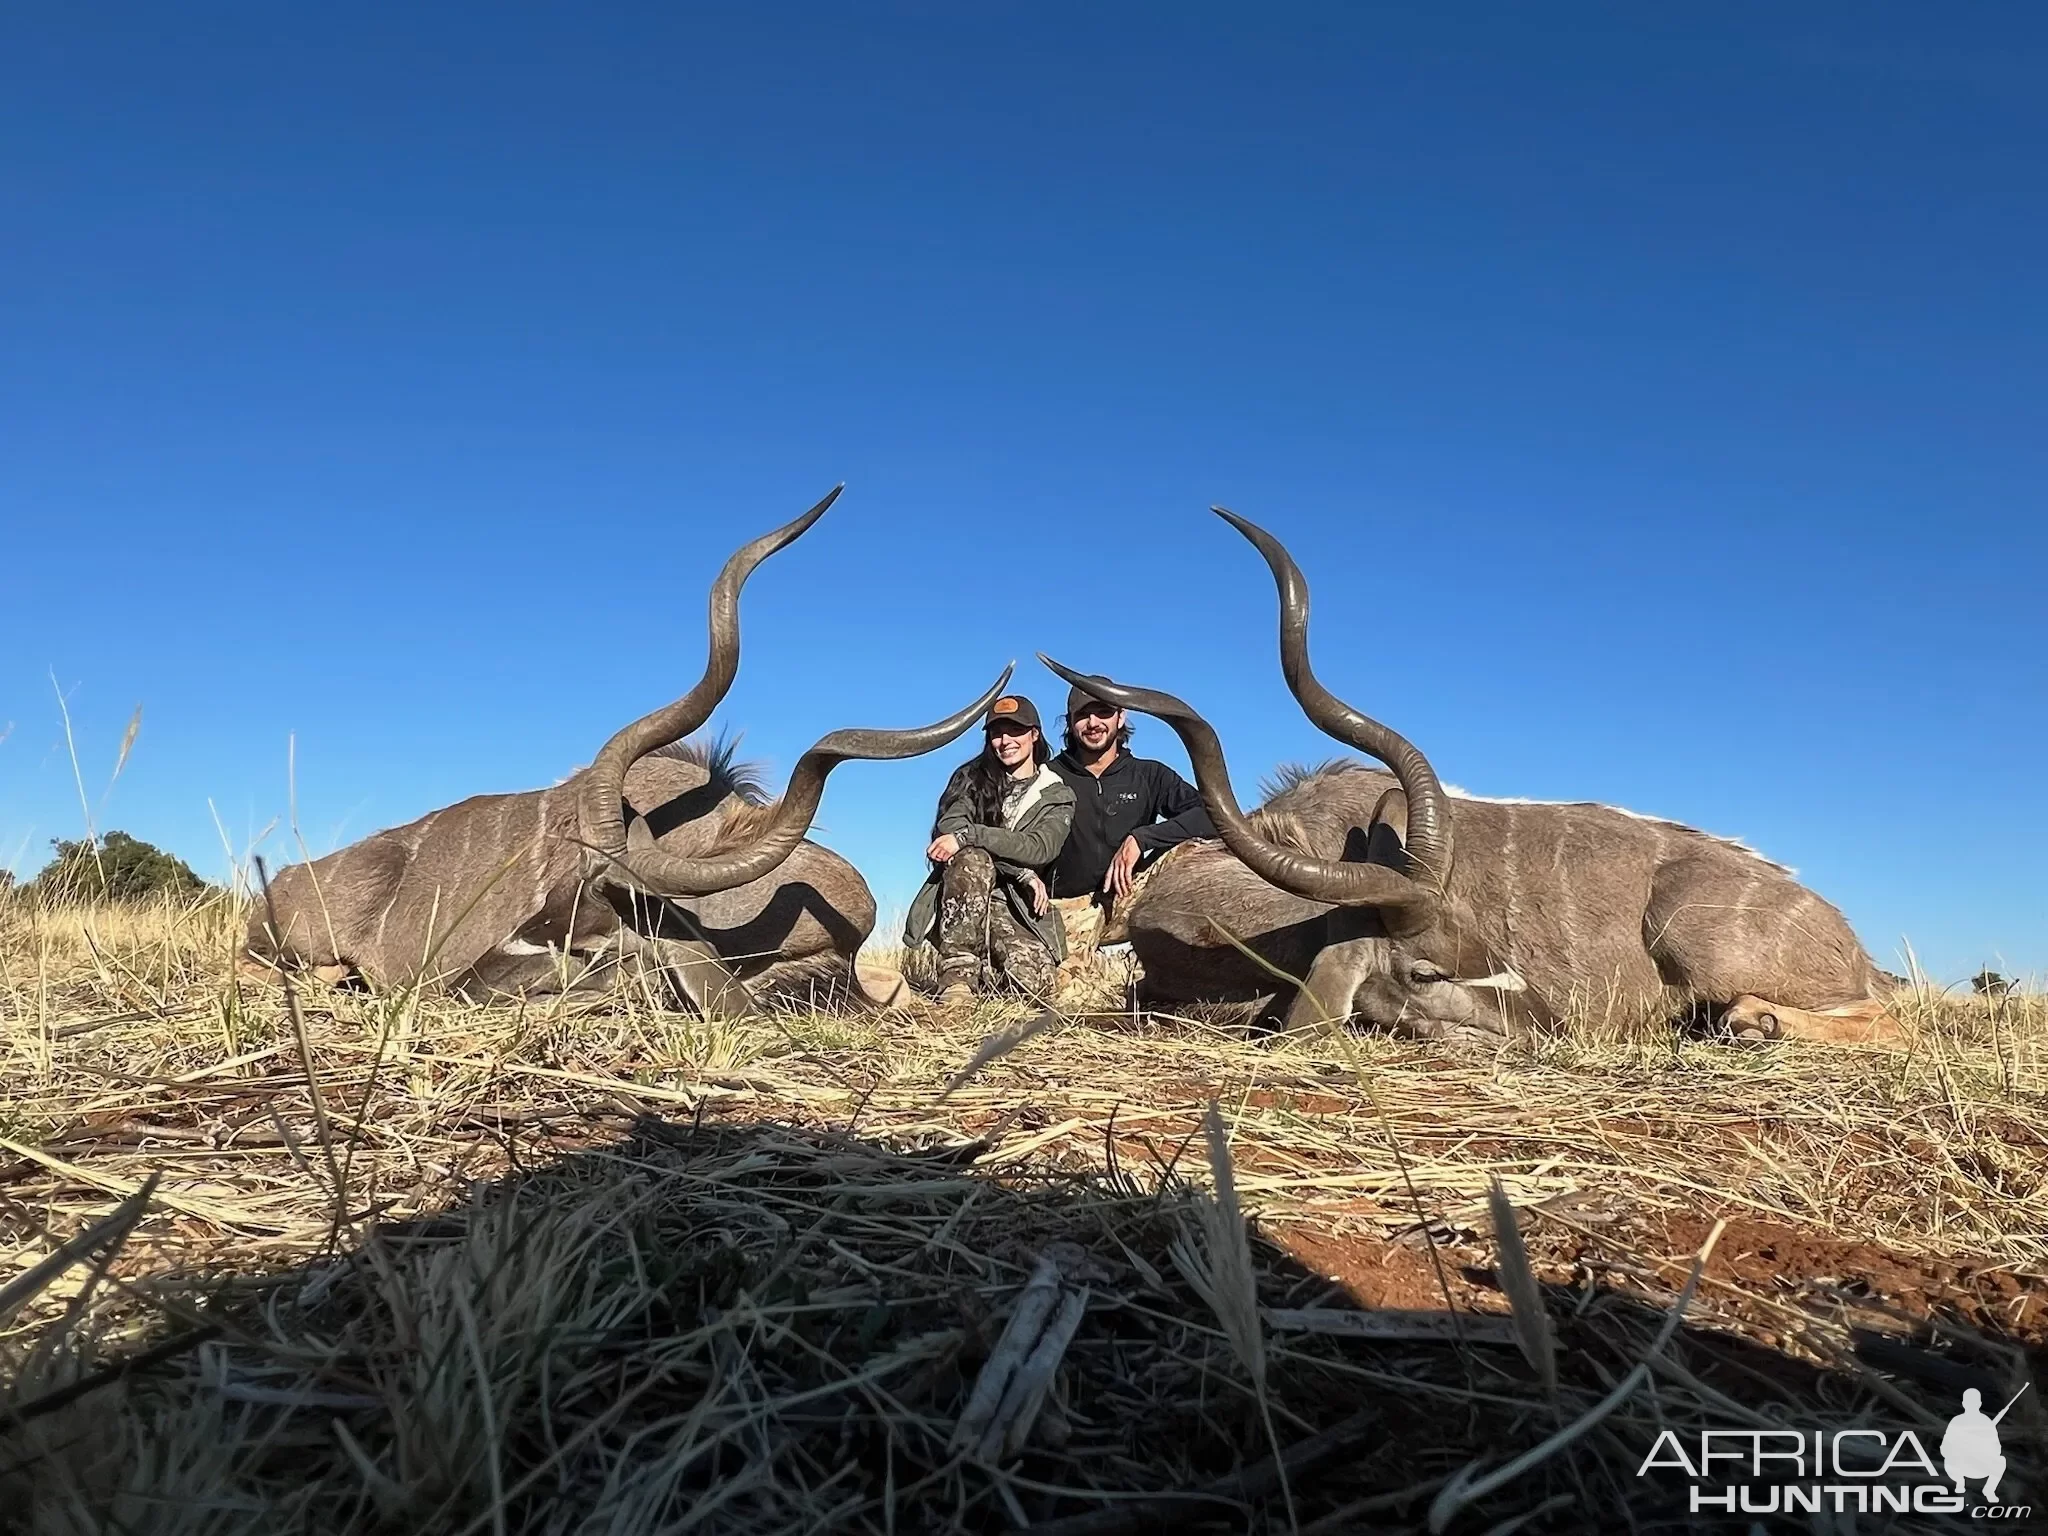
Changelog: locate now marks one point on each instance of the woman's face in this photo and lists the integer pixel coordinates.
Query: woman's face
(1012, 744)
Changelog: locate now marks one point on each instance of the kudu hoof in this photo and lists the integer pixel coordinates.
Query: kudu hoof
(1752, 1022)
(883, 987)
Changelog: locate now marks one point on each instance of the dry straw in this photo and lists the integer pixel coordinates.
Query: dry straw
(562, 1267)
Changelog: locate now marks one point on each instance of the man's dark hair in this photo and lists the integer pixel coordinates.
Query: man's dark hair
(986, 780)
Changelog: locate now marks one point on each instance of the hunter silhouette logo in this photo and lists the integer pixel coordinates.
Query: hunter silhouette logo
(1845, 1471)
(1970, 1447)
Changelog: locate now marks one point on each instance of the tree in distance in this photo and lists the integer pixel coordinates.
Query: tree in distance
(124, 868)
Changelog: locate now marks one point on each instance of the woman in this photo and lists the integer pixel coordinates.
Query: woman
(1002, 821)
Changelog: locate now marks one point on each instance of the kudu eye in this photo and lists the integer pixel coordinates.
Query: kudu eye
(1422, 973)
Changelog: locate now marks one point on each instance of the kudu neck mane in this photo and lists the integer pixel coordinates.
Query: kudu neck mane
(724, 770)
(742, 807)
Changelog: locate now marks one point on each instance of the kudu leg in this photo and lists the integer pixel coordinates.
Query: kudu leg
(1324, 997)
(880, 986)
(533, 971)
(831, 981)
(265, 971)
(701, 973)
(1866, 1021)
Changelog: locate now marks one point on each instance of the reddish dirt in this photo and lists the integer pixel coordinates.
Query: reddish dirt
(1379, 1273)
(1754, 1261)
(1763, 1261)
(1781, 1260)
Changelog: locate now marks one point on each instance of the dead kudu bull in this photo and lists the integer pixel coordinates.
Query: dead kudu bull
(654, 858)
(1438, 914)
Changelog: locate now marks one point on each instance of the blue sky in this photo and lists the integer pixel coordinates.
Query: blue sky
(1655, 401)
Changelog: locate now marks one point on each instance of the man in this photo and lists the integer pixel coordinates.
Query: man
(1127, 811)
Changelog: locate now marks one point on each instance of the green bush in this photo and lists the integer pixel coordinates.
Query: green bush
(124, 868)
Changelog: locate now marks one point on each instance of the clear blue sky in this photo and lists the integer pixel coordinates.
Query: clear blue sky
(1654, 400)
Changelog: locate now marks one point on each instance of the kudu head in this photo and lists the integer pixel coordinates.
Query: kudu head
(1396, 955)
(651, 870)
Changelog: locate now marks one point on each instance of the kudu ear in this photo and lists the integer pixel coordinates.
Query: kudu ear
(1386, 834)
(1384, 837)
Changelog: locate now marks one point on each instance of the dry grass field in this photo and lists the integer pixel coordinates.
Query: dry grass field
(410, 1266)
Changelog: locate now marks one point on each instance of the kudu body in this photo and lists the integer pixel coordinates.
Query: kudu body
(656, 857)
(1425, 912)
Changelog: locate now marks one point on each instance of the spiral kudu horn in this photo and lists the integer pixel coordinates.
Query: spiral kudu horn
(1429, 810)
(1404, 901)
(668, 874)
(600, 809)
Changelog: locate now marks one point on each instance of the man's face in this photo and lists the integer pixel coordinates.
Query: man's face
(1095, 725)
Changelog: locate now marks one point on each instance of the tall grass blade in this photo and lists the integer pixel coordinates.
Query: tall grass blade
(1525, 1297)
(127, 745)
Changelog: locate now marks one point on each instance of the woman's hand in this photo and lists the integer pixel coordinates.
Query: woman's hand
(942, 848)
(1039, 898)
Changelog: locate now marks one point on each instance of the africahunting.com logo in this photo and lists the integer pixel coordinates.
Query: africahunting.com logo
(1860, 1471)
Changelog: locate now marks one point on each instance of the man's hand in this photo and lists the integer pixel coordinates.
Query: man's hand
(1118, 877)
(1040, 900)
(942, 848)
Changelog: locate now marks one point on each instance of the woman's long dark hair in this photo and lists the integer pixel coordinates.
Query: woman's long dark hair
(985, 779)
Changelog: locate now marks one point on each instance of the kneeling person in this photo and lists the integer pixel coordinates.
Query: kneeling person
(1129, 811)
(1002, 821)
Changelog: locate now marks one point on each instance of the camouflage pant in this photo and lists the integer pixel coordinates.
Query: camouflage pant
(1093, 924)
(979, 936)
(1098, 920)
(1082, 917)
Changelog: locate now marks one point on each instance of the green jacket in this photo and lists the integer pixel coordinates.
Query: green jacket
(1029, 847)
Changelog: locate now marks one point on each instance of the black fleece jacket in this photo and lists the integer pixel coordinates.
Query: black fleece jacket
(1135, 797)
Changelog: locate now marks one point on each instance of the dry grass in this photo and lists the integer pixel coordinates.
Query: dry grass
(561, 1269)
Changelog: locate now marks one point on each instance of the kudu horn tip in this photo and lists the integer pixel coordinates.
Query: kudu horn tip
(803, 524)
(1122, 695)
(1086, 679)
(1247, 527)
(1064, 674)
(989, 695)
